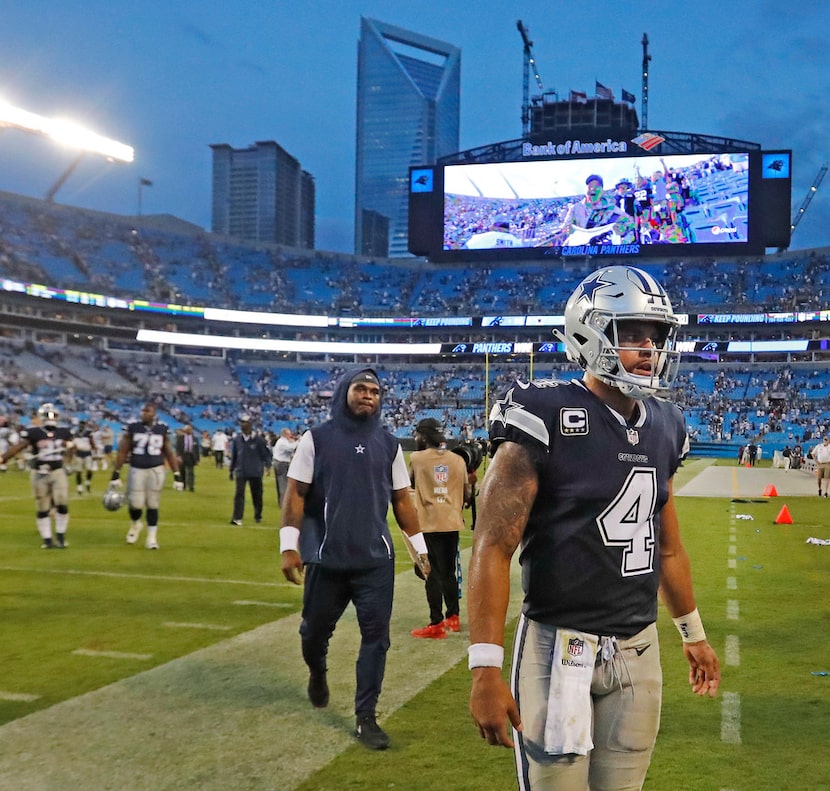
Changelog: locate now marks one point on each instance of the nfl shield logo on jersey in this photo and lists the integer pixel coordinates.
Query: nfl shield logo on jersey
(442, 473)
(576, 646)
(633, 436)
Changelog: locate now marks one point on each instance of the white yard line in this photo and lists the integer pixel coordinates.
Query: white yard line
(111, 654)
(159, 577)
(18, 697)
(211, 627)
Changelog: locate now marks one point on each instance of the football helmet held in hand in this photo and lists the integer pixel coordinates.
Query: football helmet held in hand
(113, 498)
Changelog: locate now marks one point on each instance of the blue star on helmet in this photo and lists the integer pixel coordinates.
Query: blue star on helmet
(592, 284)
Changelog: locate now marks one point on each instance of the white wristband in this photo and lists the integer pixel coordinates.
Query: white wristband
(485, 655)
(289, 539)
(690, 627)
(419, 543)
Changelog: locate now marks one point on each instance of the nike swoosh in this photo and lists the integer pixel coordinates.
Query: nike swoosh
(641, 649)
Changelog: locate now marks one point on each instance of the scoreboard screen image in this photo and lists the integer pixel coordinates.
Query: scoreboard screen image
(729, 203)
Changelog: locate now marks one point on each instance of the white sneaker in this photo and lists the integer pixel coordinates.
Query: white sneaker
(134, 532)
(151, 543)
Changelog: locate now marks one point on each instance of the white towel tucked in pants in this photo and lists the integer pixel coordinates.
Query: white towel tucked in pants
(568, 724)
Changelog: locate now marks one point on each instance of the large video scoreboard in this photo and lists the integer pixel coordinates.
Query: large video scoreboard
(610, 198)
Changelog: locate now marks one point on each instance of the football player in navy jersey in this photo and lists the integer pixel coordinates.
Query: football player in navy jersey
(146, 444)
(581, 480)
(51, 447)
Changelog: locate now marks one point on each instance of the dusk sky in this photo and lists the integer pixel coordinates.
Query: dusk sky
(172, 78)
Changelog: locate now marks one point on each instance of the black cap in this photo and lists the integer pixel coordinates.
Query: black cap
(429, 425)
(364, 376)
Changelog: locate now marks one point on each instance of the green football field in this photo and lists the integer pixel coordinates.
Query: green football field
(180, 632)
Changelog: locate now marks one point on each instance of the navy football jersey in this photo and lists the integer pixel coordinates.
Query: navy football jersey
(48, 445)
(146, 443)
(83, 443)
(589, 555)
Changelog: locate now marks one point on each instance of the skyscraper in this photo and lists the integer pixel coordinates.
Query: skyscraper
(261, 194)
(408, 96)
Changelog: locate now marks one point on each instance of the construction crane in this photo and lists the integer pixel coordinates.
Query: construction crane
(807, 198)
(529, 62)
(646, 59)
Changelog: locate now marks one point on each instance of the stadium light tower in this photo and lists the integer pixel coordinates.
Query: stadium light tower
(66, 133)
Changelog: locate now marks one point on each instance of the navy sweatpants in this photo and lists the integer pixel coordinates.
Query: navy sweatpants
(326, 594)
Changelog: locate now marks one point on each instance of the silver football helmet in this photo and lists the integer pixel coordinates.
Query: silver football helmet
(48, 415)
(592, 338)
(113, 498)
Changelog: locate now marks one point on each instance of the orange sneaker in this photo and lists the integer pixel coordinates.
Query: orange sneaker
(452, 624)
(435, 631)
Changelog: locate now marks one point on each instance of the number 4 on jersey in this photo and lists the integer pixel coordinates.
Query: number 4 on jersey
(628, 522)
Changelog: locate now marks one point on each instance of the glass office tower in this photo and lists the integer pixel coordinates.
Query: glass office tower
(408, 96)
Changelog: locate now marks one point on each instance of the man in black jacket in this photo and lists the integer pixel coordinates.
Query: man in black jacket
(250, 458)
(187, 450)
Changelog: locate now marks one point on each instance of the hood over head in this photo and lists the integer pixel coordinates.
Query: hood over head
(340, 411)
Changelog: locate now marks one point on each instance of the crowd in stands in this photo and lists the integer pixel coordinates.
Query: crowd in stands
(125, 257)
(772, 406)
(76, 249)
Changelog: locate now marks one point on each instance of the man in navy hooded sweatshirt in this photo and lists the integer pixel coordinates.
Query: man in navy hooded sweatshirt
(335, 537)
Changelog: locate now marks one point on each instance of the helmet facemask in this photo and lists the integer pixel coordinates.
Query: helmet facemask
(663, 360)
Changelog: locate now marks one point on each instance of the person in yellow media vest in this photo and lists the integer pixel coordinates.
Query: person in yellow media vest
(439, 480)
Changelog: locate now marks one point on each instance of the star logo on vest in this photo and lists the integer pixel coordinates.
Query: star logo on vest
(359, 449)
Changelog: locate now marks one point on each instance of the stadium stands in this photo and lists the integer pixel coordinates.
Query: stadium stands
(784, 400)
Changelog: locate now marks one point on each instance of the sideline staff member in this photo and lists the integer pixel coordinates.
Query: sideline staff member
(439, 480)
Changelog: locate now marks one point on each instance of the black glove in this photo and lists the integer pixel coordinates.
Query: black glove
(115, 475)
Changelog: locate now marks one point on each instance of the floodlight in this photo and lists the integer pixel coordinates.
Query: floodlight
(71, 134)
(65, 132)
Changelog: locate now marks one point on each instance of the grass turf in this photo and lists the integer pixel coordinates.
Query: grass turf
(103, 595)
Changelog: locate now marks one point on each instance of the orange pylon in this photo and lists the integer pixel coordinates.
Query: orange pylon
(770, 491)
(784, 517)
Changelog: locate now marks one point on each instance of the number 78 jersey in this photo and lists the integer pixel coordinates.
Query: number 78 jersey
(146, 444)
(590, 556)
